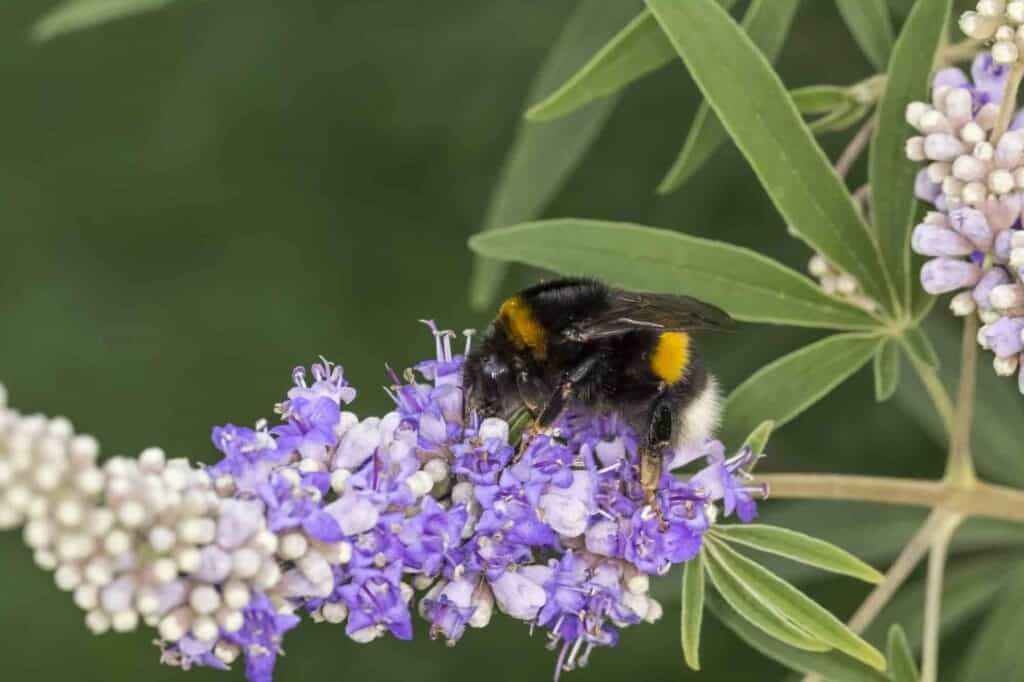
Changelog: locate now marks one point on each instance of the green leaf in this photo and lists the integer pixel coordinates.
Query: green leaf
(751, 287)
(692, 610)
(819, 99)
(887, 370)
(831, 665)
(543, 156)
(918, 345)
(75, 15)
(783, 389)
(996, 652)
(901, 661)
(758, 438)
(767, 23)
(733, 75)
(871, 26)
(776, 594)
(798, 547)
(890, 172)
(635, 51)
(746, 603)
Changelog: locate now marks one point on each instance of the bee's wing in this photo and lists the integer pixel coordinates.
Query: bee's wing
(630, 311)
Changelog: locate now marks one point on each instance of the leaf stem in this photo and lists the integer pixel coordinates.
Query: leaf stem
(959, 466)
(937, 392)
(933, 598)
(1009, 102)
(981, 499)
(855, 147)
(901, 568)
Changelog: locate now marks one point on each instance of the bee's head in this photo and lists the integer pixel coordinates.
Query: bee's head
(488, 378)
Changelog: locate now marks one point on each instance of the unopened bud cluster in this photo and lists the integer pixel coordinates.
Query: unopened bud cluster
(837, 282)
(962, 162)
(974, 239)
(998, 21)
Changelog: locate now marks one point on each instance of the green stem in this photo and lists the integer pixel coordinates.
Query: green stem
(981, 499)
(933, 598)
(937, 392)
(959, 465)
(1009, 102)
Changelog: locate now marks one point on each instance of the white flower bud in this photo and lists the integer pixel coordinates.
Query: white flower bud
(197, 531)
(245, 563)
(164, 570)
(915, 149)
(292, 546)
(1005, 52)
(226, 652)
(1001, 181)
(204, 599)
(152, 460)
(97, 621)
(938, 171)
(314, 567)
(438, 470)
(335, 612)
(972, 133)
(67, 577)
(236, 594)
(914, 112)
(90, 481)
(230, 620)
(175, 625)
(974, 193)
(86, 597)
(125, 621)
(1005, 367)
(117, 542)
(131, 514)
(204, 629)
(959, 106)
(1007, 296)
(268, 576)
(1015, 11)
(38, 534)
(969, 168)
(45, 560)
(188, 559)
(991, 8)
(147, 601)
(984, 151)
(99, 571)
(338, 479)
(420, 483)
(934, 122)
(978, 27)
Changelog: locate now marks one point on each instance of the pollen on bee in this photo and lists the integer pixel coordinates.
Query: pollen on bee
(522, 326)
(671, 356)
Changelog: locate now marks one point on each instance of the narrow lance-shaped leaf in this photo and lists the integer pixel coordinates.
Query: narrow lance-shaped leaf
(757, 439)
(891, 174)
(542, 157)
(887, 370)
(749, 286)
(871, 26)
(733, 75)
(901, 660)
(778, 595)
(755, 611)
(75, 15)
(767, 23)
(798, 547)
(996, 652)
(832, 665)
(692, 610)
(783, 389)
(635, 51)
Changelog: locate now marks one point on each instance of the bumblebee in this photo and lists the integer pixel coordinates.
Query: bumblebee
(583, 343)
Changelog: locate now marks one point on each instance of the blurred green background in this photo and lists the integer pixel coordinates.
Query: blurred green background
(194, 201)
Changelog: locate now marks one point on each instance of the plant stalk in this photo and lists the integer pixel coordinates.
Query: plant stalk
(959, 466)
(937, 392)
(981, 499)
(933, 598)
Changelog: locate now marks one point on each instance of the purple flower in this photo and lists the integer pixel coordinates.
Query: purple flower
(260, 637)
(433, 536)
(374, 598)
(310, 427)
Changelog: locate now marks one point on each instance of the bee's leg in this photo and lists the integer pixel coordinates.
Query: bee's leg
(557, 402)
(652, 448)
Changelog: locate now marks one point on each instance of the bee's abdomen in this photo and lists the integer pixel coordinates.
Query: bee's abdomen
(670, 357)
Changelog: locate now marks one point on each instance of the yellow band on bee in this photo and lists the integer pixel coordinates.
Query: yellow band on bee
(522, 327)
(670, 356)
